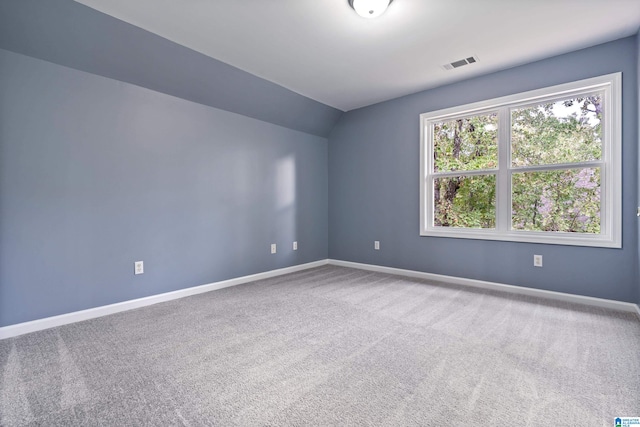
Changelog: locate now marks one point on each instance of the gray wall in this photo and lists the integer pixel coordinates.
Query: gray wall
(638, 178)
(96, 174)
(374, 186)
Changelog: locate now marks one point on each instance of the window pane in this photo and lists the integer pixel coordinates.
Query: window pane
(561, 200)
(465, 201)
(466, 144)
(566, 131)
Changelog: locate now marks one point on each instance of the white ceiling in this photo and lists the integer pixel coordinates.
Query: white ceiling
(323, 50)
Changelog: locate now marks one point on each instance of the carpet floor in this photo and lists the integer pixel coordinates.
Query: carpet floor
(330, 346)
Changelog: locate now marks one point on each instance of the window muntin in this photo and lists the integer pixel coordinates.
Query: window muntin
(542, 166)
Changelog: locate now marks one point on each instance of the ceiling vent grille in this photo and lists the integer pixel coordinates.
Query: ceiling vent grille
(460, 63)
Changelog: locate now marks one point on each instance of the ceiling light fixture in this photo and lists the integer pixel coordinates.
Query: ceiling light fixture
(369, 8)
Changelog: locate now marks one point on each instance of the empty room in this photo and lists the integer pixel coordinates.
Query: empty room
(319, 213)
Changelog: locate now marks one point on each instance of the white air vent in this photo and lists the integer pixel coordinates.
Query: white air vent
(460, 63)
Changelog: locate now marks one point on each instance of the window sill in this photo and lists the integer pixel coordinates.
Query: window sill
(568, 239)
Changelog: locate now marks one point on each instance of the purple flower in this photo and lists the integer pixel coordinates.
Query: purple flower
(582, 218)
(586, 179)
(546, 205)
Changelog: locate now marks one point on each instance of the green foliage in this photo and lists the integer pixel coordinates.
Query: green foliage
(466, 144)
(555, 133)
(472, 205)
(560, 200)
(566, 199)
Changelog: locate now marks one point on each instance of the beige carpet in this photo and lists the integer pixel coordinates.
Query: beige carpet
(330, 346)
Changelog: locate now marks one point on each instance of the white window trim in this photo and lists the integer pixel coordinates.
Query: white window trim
(611, 164)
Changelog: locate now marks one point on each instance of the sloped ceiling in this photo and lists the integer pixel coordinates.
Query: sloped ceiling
(300, 63)
(323, 50)
(70, 34)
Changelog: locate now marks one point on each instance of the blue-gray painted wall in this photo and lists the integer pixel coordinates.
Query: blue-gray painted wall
(638, 178)
(374, 186)
(68, 33)
(96, 174)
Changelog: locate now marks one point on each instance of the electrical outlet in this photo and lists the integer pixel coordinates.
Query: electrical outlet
(376, 245)
(537, 260)
(138, 267)
(273, 248)
(295, 246)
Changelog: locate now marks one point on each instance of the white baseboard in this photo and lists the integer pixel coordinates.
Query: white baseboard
(78, 316)
(558, 296)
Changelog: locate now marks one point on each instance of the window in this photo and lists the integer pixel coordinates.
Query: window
(542, 166)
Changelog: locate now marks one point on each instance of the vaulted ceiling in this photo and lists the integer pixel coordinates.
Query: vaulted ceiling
(324, 51)
(300, 63)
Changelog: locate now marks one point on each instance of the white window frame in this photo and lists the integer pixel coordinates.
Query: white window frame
(610, 173)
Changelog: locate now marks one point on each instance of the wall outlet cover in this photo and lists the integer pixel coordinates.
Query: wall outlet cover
(138, 267)
(537, 260)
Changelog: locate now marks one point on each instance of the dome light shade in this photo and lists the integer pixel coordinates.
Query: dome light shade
(369, 8)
